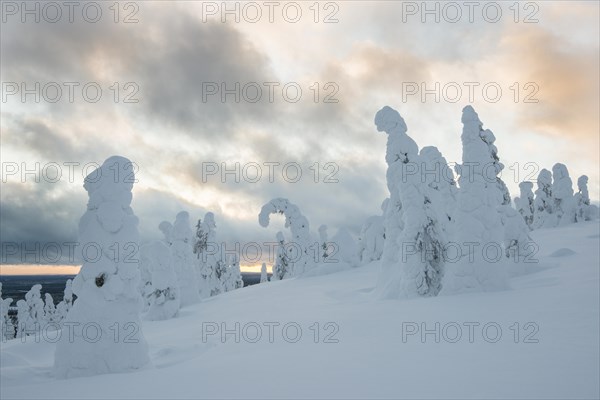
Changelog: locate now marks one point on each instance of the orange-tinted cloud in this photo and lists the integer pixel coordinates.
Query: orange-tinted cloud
(567, 76)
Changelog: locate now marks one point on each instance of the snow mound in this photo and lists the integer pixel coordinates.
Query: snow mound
(563, 252)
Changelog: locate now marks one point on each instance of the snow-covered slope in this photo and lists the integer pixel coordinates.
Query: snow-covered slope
(556, 307)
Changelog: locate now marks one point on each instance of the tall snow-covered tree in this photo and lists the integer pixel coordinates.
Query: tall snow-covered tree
(30, 312)
(543, 215)
(233, 278)
(208, 259)
(107, 284)
(221, 272)
(525, 203)
(345, 246)
(562, 190)
(372, 237)
(370, 242)
(164, 299)
(299, 227)
(50, 316)
(62, 309)
(145, 277)
(397, 150)
(263, 273)
(7, 329)
(436, 173)
(494, 167)
(184, 260)
(167, 229)
(282, 263)
(412, 263)
(585, 211)
(478, 227)
(517, 242)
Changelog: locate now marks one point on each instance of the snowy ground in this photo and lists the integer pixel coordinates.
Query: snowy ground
(557, 354)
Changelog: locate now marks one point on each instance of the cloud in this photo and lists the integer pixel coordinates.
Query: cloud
(567, 76)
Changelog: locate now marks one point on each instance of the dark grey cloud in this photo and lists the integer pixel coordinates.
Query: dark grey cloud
(170, 55)
(36, 215)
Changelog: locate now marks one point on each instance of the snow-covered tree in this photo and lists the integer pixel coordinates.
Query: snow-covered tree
(263, 273)
(208, 260)
(184, 260)
(517, 242)
(372, 237)
(233, 277)
(543, 215)
(50, 316)
(397, 150)
(145, 277)
(62, 309)
(167, 229)
(518, 245)
(525, 203)
(200, 239)
(323, 244)
(370, 241)
(478, 226)
(164, 299)
(282, 263)
(345, 247)
(24, 323)
(584, 210)
(221, 272)
(299, 227)
(412, 263)
(562, 190)
(436, 173)
(30, 312)
(494, 167)
(7, 329)
(106, 287)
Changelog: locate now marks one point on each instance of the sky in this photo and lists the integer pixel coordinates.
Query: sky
(224, 106)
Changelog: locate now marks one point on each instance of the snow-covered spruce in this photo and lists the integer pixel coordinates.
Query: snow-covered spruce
(7, 329)
(164, 299)
(30, 312)
(233, 277)
(208, 259)
(412, 263)
(184, 260)
(62, 309)
(543, 215)
(167, 229)
(397, 149)
(438, 176)
(107, 309)
(344, 248)
(562, 191)
(145, 278)
(282, 263)
(525, 203)
(301, 259)
(371, 238)
(493, 168)
(264, 277)
(517, 242)
(50, 316)
(518, 245)
(477, 221)
(584, 210)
